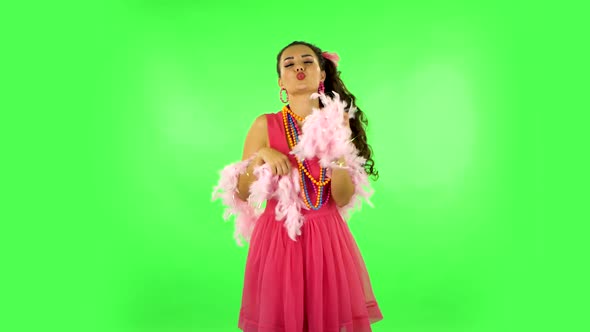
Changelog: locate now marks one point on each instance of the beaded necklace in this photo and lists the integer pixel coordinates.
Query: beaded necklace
(318, 186)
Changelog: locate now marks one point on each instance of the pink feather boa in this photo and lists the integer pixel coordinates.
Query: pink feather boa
(325, 136)
(246, 215)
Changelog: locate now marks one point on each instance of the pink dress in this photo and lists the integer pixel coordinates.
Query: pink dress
(318, 283)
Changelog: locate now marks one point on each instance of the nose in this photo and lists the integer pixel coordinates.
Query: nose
(299, 68)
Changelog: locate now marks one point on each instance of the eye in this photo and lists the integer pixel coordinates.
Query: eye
(308, 61)
(289, 65)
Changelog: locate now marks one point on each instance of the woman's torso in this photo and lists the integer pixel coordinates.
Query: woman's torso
(277, 139)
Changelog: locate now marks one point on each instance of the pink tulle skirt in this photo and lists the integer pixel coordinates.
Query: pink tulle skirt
(318, 283)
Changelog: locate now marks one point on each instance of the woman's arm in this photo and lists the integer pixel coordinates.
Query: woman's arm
(342, 187)
(256, 139)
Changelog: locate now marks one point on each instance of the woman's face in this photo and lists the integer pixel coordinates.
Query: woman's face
(300, 70)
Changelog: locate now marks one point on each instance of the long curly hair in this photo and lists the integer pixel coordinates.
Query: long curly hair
(333, 83)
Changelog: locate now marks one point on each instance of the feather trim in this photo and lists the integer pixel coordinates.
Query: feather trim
(245, 214)
(325, 136)
(290, 204)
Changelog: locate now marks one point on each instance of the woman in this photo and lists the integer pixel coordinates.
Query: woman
(309, 163)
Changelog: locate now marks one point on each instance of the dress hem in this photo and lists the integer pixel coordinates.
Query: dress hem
(358, 323)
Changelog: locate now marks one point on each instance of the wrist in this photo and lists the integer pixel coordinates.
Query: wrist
(258, 156)
(339, 163)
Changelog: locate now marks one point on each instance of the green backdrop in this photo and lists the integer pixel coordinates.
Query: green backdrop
(119, 115)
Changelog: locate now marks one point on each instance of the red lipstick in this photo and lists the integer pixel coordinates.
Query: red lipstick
(300, 76)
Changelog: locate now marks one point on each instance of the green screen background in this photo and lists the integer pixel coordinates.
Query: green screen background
(118, 117)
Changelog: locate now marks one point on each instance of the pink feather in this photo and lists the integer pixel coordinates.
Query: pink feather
(324, 136)
(289, 204)
(263, 187)
(226, 191)
(323, 132)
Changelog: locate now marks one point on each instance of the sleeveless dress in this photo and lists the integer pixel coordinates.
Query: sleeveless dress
(318, 283)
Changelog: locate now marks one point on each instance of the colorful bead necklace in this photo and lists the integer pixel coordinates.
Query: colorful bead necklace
(318, 186)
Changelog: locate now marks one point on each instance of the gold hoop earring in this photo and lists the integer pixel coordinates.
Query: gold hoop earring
(281, 95)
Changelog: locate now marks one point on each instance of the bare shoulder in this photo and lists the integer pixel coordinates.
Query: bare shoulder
(260, 127)
(257, 136)
(260, 122)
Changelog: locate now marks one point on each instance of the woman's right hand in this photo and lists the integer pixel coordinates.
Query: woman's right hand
(278, 162)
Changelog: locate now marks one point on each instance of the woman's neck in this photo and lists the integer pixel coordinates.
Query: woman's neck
(303, 105)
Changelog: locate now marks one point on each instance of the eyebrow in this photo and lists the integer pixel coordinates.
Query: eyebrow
(290, 57)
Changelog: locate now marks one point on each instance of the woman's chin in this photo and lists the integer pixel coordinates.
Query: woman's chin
(303, 89)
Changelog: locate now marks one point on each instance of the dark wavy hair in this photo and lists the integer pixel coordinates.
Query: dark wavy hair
(332, 84)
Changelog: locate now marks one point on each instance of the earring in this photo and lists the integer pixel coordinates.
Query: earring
(281, 95)
(321, 88)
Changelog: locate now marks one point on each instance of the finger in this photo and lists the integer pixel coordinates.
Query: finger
(284, 166)
(284, 169)
(280, 168)
(287, 167)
